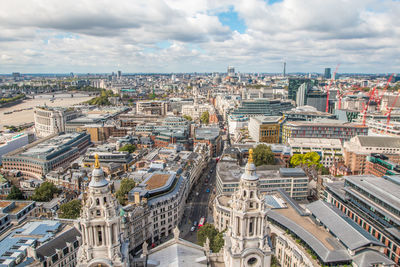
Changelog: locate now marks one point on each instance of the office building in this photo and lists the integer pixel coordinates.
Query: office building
(38, 158)
(306, 113)
(51, 120)
(10, 142)
(380, 165)
(259, 107)
(330, 150)
(209, 136)
(231, 71)
(329, 129)
(357, 149)
(294, 85)
(265, 129)
(152, 107)
(374, 204)
(327, 73)
(40, 243)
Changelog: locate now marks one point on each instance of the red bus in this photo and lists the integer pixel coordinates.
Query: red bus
(202, 221)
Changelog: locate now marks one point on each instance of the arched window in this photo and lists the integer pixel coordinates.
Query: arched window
(105, 200)
(251, 194)
(97, 201)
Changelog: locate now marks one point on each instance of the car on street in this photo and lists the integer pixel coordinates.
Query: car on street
(193, 229)
(195, 223)
(208, 190)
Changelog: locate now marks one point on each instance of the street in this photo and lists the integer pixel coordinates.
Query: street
(198, 205)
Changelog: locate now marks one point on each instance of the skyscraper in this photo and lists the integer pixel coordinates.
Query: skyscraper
(119, 74)
(231, 71)
(327, 74)
(284, 69)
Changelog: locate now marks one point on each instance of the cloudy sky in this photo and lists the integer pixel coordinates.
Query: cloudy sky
(59, 36)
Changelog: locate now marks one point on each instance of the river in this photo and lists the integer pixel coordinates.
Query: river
(26, 116)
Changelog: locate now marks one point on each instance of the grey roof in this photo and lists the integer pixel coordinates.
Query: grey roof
(346, 230)
(48, 249)
(337, 187)
(369, 258)
(292, 172)
(383, 189)
(177, 254)
(379, 141)
(326, 255)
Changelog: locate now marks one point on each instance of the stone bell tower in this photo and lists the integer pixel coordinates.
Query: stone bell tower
(246, 241)
(102, 243)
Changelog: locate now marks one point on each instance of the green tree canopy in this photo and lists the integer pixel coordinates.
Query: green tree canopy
(70, 210)
(262, 155)
(126, 186)
(205, 117)
(216, 238)
(128, 147)
(15, 193)
(187, 117)
(309, 159)
(45, 192)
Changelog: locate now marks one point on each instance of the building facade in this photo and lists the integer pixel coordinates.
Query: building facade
(327, 129)
(265, 128)
(374, 204)
(49, 121)
(330, 150)
(356, 151)
(38, 158)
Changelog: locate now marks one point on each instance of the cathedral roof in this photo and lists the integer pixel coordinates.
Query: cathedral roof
(250, 169)
(98, 179)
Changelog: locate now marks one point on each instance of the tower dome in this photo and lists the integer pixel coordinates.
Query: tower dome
(250, 169)
(98, 179)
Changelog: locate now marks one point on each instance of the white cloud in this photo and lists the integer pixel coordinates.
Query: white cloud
(99, 36)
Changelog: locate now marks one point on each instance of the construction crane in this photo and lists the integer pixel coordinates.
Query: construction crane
(390, 111)
(329, 87)
(378, 102)
(371, 96)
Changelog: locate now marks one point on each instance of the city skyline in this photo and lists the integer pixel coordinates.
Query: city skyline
(164, 36)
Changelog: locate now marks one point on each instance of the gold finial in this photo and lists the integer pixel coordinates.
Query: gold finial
(250, 160)
(96, 162)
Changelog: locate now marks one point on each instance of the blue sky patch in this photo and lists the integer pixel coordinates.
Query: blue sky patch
(163, 44)
(232, 20)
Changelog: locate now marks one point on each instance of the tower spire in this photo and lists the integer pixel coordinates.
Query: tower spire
(96, 162)
(250, 160)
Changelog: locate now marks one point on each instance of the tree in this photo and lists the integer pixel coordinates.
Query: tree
(205, 117)
(309, 159)
(15, 193)
(309, 162)
(216, 238)
(187, 117)
(128, 147)
(126, 186)
(70, 210)
(263, 155)
(45, 192)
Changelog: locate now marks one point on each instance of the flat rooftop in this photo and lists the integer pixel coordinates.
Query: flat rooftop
(207, 133)
(43, 148)
(320, 142)
(383, 189)
(266, 119)
(324, 123)
(379, 141)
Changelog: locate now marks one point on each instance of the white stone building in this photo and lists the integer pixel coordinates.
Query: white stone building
(330, 150)
(49, 121)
